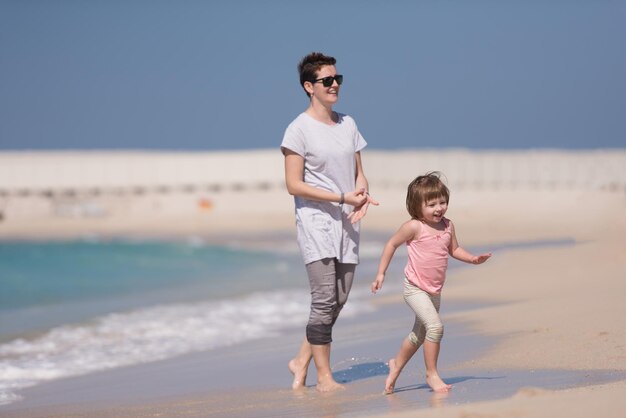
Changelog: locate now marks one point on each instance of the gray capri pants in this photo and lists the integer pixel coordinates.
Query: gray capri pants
(330, 283)
(426, 307)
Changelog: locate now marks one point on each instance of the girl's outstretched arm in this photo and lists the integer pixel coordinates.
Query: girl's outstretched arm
(461, 254)
(409, 230)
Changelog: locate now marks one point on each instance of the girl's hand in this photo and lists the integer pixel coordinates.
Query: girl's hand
(360, 210)
(378, 283)
(479, 259)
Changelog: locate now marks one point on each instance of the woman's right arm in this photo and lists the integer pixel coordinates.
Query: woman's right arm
(294, 179)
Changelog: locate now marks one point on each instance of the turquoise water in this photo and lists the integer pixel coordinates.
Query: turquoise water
(48, 273)
(50, 283)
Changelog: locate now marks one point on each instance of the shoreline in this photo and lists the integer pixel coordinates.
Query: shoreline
(183, 386)
(479, 385)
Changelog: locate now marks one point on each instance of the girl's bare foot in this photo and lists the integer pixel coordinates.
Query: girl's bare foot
(391, 377)
(436, 384)
(299, 374)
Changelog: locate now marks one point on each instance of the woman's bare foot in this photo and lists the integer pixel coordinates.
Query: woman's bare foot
(328, 384)
(299, 374)
(436, 384)
(391, 377)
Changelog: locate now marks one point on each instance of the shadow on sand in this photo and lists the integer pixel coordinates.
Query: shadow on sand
(450, 380)
(372, 369)
(361, 371)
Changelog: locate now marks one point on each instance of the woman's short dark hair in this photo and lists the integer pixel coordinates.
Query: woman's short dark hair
(310, 65)
(422, 189)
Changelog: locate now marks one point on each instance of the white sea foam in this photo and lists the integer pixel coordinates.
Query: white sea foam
(151, 334)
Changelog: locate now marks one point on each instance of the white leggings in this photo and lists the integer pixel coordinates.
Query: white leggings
(426, 307)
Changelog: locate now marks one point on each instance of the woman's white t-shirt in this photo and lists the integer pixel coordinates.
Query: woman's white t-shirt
(323, 229)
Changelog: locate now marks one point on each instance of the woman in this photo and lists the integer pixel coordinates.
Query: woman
(323, 172)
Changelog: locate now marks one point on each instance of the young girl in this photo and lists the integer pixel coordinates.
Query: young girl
(429, 238)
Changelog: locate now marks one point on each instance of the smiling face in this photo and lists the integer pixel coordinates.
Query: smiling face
(325, 95)
(434, 209)
(427, 198)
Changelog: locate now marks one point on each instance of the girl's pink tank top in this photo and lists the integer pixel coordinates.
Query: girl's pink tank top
(428, 258)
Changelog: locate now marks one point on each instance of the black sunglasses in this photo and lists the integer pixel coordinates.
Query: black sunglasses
(328, 81)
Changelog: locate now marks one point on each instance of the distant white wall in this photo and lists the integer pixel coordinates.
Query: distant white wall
(505, 169)
(153, 171)
(113, 170)
(108, 184)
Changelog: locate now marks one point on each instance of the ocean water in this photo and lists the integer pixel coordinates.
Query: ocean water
(69, 308)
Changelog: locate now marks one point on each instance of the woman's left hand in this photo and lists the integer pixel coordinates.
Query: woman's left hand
(360, 211)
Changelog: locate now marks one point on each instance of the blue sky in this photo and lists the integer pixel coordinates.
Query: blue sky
(211, 75)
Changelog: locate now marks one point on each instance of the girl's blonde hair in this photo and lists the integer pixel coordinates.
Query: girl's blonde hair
(422, 189)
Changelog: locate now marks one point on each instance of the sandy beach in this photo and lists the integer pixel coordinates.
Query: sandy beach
(538, 331)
